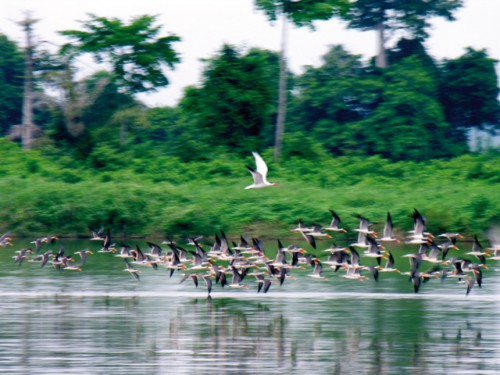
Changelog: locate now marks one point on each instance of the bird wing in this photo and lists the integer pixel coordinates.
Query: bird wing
(309, 239)
(419, 223)
(476, 245)
(261, 165)
(470, 284)
(388, 226)
(364, 223)
(335, 219)
(354, 256)
(7, 234)
(267, 285)
(390, 261)
(208, 281)
(258, 179)
(236, 277)
(107, 240)
(318, 269)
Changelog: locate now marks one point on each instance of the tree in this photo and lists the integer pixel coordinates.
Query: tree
(134, 51)
(301, 13)
(469, 90)
(75, 96)
(413, 47)
(409, 123)
(389, 16)
(85, 109)
(164, 128)
(27, 124)
(352, 109)
(11, 83)
(340, 92)
(235, 105)
(36, 61)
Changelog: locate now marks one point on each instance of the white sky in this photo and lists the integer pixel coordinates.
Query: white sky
(204, 25)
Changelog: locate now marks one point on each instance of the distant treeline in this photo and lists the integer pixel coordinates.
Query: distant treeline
(412, 108)
(361, 137)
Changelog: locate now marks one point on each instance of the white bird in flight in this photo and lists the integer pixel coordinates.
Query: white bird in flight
(260, 174)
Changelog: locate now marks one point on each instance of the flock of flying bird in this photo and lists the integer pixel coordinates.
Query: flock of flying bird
(229, 264)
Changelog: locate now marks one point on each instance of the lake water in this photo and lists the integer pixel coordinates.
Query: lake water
(102, 321)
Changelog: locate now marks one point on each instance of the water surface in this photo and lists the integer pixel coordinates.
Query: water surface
(102, 321)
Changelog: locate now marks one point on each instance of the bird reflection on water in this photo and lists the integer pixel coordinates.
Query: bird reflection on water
(227, 335)
(99, 321)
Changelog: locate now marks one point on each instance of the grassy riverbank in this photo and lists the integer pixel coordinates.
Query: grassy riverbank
(41, 194)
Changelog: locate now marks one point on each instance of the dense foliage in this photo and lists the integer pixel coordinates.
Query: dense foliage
(358, 139)
(134, 50)
(302, 12)
(11, 83)
(469, 90)
(164, 196)
(409, 15)
(235, 105)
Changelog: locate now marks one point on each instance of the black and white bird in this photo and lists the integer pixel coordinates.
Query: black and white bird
(335, 223)
(259, 174)
(5, 240)
(388, 235)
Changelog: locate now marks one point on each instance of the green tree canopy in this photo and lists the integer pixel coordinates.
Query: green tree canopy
(469, 90)
(84, 114)
(340, 91)
(11, 83)
(135, 52)
(409, 123)
(303, 12)
(355, 110)
(412, 16)
(235, 104)
(413, 47)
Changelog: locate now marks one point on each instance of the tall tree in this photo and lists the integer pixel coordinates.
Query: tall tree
(333, 91)
(135, 52)
(300, 12)
(74, 96)
(388, 16)
(27, 125)
(282, 92)
(469, 90)
(409, 122)
(236, 102)
(330, 97)
(352, 109)
(11, 83)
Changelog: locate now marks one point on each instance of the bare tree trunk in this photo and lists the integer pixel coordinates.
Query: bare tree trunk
(381, 60)
(282, 92)
(27, 125)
